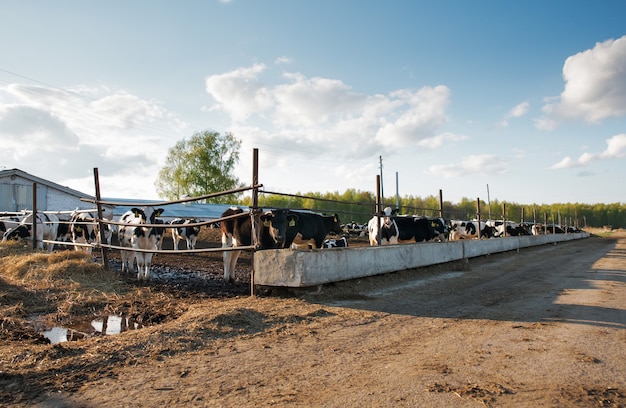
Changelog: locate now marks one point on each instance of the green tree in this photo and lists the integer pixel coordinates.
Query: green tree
(199, 166)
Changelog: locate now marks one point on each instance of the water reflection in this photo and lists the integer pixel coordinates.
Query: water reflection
(101, 326)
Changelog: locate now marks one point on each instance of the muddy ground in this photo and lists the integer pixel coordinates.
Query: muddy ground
(544, 326)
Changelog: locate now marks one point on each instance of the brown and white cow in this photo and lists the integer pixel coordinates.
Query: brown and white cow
(237, 232)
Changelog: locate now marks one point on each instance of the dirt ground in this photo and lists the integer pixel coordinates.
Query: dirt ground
(544, 326)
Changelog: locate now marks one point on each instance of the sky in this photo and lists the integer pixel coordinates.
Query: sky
(519, 101)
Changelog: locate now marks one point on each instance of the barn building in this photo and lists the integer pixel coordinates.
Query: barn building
(16, 193)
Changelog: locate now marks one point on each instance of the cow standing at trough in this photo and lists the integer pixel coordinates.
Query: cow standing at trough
(237, 232)
(389, 233)
(136, 233)
(47, 227)
(184, 231)
(311, 229)
(469, 230)
(418, 229)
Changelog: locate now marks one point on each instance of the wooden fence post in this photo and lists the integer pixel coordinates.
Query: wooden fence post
(478, 215)
(101, 225)
(440, 203)
(254, 213)
(34, 228)
(378, 210)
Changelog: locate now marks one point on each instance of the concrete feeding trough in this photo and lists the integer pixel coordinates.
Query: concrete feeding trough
(295, 268)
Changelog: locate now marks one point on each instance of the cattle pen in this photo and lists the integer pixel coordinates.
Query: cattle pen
(289, 267)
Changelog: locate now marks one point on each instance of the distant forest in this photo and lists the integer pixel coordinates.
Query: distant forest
(358, 206)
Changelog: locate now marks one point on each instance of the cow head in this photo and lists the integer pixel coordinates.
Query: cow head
(17, 233)
(336, 225)
(277, 222)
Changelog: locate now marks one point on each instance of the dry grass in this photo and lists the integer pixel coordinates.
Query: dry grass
(35, 282)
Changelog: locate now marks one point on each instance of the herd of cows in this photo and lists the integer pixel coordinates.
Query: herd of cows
(140, 232)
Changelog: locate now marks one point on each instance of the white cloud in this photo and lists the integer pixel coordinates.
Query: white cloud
(517, 111)
(283, 60)
(473, 164)
(326, 115)
(239, 93)
(63, 134)
(545, 123)
(439, 140)
(616, 149)
(595, 84)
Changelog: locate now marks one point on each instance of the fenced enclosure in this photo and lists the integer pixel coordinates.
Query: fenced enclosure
(347, 210)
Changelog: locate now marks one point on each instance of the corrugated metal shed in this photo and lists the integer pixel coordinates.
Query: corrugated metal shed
(201, 212)
(16, 195)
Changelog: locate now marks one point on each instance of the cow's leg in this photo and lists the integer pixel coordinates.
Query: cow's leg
(148, 266)
(124, 254)
(141, 262)
(230, 260)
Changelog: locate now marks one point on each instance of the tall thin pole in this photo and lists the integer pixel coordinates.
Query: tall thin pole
(488, 202)
(379, 208)
(478, 216)
(34, 229)
(254, 213)
(397, 192)
(103, 250)
(382, 192)
(440, 203)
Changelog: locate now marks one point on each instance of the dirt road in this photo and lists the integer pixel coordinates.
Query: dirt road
(542, 327)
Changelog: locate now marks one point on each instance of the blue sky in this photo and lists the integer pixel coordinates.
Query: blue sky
(526, 97)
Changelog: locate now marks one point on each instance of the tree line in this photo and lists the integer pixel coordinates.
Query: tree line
(359, 206)
(205, 164)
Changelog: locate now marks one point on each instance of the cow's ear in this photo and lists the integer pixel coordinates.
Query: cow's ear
(292, 223)
(336, 218)
(136, 211)
(158, 212)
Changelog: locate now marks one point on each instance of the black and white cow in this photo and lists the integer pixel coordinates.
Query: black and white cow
(389, 233)
(137, 233)
(311, 229)
(513, 229)
(469, 230)
(85, 231)
(441, 229)
(418, 229)
(9, 222)
(47, 226)
(159, 232)
(186, 232)
(237, 232)
(335, 243)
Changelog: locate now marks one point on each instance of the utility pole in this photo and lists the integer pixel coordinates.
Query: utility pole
(488, 202)
(382, 193)
(397, 193)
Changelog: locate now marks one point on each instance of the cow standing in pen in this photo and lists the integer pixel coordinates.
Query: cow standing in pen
(137, 234)
(311, 229)
(389, 233)
(237, 232)
(85, 231)
(47, 227)
(185, 231)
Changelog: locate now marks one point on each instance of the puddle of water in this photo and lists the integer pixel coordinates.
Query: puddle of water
(101, 326)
